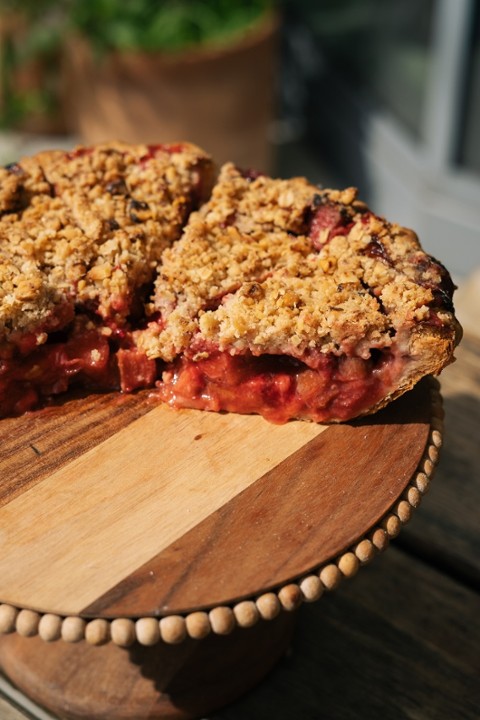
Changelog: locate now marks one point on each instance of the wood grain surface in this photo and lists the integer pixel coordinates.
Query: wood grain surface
(400, 641)
(117, 507)
(447, 532)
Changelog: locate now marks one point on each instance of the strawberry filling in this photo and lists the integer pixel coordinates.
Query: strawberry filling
(87, 358)
(280, 387)
(52, 368)
(170, 148)
(328, 217)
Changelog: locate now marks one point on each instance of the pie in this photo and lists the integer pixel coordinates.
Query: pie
(81, 234)
(294, 302)
(126, 267)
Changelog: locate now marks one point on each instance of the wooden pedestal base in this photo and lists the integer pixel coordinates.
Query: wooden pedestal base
(183, 681)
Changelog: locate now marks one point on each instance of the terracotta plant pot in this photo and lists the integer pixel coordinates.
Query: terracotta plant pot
(29, 88)
(219, 98)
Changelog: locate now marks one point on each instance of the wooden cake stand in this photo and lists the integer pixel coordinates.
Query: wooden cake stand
(180, 542)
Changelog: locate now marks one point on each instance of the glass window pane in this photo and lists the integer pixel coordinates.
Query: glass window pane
(382, 45)
(469, 152)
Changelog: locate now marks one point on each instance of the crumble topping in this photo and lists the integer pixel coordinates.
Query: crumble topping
(88, 227)
(279, 266)
(26, 300)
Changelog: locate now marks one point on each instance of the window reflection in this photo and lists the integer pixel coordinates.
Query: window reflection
(469, 152)
(383, 45)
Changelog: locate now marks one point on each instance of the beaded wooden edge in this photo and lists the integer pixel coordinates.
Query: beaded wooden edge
(222, 620)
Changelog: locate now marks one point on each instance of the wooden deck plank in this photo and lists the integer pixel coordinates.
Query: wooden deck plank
(15, 706)
(445, 528)
(9, 712)
(399, 641)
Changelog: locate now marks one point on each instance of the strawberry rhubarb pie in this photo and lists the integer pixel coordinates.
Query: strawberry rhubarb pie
(126, 267)
(81, 235)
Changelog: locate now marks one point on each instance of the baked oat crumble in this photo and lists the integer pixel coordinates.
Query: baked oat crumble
(246, 275)
(90, 225)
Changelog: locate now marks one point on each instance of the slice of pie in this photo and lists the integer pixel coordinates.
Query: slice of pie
(294, 302)
(272, 297)
(81, 234)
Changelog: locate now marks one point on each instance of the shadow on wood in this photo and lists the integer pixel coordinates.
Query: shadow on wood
(165, 681)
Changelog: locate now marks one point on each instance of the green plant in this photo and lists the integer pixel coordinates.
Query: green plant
(34, 30)
(29, 43)
(162, 25)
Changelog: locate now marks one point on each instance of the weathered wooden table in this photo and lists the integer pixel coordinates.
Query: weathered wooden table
(402, 639)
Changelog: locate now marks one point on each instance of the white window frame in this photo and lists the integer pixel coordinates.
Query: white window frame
(416, 182)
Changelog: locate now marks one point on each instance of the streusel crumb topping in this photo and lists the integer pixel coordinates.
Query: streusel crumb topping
(279, 266)
(88, 227)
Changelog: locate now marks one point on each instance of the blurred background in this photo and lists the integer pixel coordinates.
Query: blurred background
(380, 94)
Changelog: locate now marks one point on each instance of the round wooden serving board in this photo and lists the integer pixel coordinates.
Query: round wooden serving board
(115, 506)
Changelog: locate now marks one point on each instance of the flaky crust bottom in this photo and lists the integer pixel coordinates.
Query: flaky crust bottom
(430, 350)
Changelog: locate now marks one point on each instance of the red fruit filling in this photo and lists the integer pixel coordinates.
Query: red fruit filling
(328, 217)
(280, 387)
(170, 148)
(135, 369)
(87, 358)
